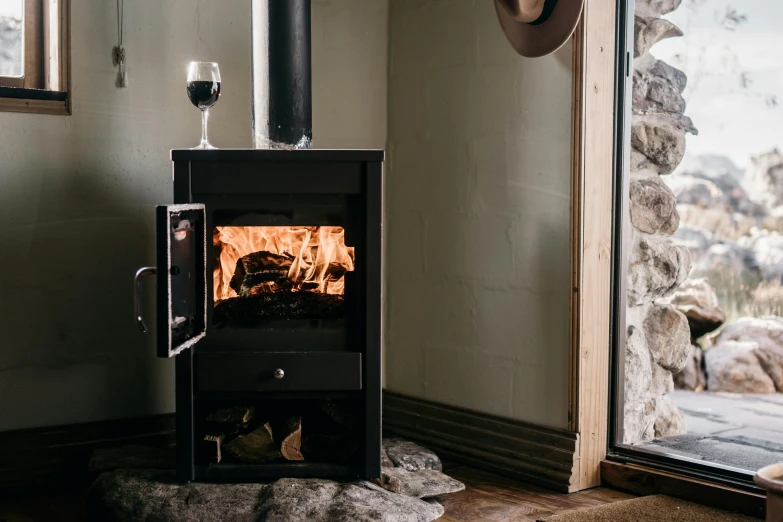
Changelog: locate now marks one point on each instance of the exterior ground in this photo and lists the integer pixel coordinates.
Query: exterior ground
(743, 431)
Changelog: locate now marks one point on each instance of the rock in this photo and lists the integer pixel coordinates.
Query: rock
(668, 336)
(410, 456)
(639, 161)
(764, 179)
(697, 300)
(154, 496)
(650, 30)
(656, 268)
(655, 94)
(669, 420)
(734, 367)
(317, 500)
(639, 421)
(728, 262)
(133, 457)
(694, 191)
(638, 367)
(766, 335)
(726, 176)
(673, 75)
(692, 377)
(659, 7)
(423, 483)
(385, 460)
(662, 381)
(653, 206)
(662, 144)
(695, 239)
(720, 220)
(767, 247)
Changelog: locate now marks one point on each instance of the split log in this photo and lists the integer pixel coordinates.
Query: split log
(233, 415)
(256, 273)
(289, 433)
(218, 440)
(256, 447)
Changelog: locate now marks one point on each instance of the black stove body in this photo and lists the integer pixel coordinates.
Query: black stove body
(296, 331)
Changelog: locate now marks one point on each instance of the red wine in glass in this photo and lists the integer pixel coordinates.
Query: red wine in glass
(204, 92)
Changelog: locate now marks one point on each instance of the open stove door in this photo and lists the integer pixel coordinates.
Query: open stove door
(182, 277)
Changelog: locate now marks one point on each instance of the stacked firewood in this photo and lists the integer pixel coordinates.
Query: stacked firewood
(239, 433)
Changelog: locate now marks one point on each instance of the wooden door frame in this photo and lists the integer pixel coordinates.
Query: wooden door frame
(600, 63)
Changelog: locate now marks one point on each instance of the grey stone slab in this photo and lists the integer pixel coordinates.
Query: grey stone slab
(154, 496)
(410, 456)
(423, 483)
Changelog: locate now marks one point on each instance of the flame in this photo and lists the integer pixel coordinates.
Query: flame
(319, 257)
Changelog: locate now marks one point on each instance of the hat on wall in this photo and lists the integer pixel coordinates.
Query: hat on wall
(538, 27)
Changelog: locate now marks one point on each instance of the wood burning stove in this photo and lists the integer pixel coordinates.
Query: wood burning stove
(269, 286)
(269, 299)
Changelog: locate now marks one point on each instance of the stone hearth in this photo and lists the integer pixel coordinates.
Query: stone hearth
(407, 492)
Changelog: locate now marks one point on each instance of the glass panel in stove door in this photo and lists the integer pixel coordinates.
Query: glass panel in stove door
(182, 277)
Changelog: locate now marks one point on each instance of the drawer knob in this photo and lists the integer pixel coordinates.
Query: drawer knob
(279, 373)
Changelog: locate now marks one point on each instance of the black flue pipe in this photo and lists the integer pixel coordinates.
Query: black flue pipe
(282, 85)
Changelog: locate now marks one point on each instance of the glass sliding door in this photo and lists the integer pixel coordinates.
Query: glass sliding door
(698, 353)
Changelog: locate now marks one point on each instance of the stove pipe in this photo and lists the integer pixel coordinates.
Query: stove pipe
(282, 90)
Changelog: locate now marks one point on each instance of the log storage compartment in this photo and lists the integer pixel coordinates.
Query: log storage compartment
(269, 278)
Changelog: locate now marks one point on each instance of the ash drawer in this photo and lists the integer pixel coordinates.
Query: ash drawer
(278, 371)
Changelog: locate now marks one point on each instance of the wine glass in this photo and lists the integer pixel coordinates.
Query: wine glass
(203, 91)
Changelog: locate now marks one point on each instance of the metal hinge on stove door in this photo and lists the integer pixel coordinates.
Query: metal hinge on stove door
(182, 278)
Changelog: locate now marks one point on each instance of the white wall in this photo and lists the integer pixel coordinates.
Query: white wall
(77, 192)
(477, 214)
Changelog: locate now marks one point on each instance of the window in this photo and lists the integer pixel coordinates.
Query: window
(34, 51)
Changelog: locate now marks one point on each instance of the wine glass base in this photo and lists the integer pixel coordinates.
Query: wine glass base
(204, 146)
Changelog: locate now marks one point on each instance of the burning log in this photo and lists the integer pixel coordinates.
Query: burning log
(289, 433)
(218, 440)
(257, 273)
(256, 447)
(249, 311)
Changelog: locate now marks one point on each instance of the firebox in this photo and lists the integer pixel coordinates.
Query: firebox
(269, 299)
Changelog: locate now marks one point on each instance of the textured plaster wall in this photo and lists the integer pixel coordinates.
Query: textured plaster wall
(77, 193)
(477, 215)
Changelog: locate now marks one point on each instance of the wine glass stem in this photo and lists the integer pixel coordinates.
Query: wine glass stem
(204, 118)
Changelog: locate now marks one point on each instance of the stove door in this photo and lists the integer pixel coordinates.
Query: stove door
(182, 277)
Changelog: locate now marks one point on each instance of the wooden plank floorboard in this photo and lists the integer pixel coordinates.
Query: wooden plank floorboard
(492, 497)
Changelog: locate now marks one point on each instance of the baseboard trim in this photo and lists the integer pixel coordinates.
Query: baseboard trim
(53, 455)
(519, 450)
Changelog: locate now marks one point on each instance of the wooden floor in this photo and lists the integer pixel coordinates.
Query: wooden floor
(487, 497)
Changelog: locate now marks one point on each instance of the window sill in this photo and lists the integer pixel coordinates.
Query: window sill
(16, 99)
(643, 479)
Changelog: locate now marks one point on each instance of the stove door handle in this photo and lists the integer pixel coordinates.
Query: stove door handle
(140, 273)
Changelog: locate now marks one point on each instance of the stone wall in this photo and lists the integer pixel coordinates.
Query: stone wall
(658, 342)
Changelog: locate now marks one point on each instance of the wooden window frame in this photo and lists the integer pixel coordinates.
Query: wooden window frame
(602, 89)
(46, 84)
(592, 230)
